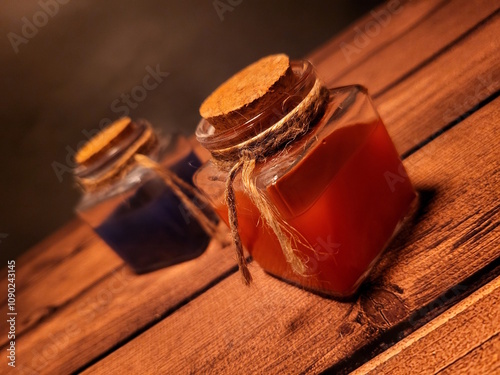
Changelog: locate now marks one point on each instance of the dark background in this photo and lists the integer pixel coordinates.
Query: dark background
(64, 79)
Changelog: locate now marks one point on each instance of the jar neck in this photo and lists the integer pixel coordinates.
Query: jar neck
(214, 140)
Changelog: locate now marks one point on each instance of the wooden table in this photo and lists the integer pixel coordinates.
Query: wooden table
(431, 305)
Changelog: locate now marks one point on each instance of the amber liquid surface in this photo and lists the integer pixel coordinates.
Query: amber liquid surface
(345, 197)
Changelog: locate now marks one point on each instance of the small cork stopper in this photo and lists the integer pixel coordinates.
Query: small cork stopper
(248, 92)
(102, 140)
(109, 155)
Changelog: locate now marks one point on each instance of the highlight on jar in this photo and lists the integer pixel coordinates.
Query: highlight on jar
(138, 195)
(301, 174)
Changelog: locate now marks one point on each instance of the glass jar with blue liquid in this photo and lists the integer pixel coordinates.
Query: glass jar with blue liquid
(130, 206)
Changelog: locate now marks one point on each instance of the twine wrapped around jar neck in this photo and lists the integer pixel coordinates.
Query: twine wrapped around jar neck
(243, 158)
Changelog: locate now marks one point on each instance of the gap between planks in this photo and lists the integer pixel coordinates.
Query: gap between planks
(459, 330)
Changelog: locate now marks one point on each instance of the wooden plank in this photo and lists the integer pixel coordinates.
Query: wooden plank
(273, 327)
(32, 265)
(53, 251)
(412, 48)
(467, 87)
(406, 18)
(463, 334)
(115, 308)
(445, 89)
(41, 299)
(484, 359)
(393, 20)
(39, 290)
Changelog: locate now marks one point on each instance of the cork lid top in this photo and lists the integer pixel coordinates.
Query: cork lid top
(109, 154)
(246, 93)
(102, 140)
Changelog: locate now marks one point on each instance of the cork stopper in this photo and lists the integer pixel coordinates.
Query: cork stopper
(109, 154)
(248, 92)
(103, 140)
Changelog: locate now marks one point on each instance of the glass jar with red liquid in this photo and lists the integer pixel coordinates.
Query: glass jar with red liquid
(334, 184)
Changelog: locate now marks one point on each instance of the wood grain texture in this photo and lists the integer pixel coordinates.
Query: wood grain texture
(45, 258)
(32, 265)
(115, 308)
(411, 48)
(330, 58)
(483, 360)
(85, 262)
(44, 261)
(445, 89)
(466, 333)
(274, 327)
(464, 83)
(420, 122)
(405, 128)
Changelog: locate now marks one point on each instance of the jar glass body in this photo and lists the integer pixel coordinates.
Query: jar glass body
(141, 219)
(342, 187)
